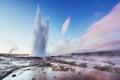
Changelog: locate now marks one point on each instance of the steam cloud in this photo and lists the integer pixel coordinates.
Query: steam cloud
(13, 50)
(41, 35)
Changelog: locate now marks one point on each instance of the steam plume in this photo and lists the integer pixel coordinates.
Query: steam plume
(41, 35)
(13, 50)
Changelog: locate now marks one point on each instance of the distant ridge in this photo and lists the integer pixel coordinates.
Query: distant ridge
(102, 53)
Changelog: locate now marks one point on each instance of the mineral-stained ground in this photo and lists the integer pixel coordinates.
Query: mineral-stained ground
(104, 65)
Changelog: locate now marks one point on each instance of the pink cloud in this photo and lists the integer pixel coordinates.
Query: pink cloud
(101, 35)
(106, 25)
(106, 45)
(65, 25)
(115, 45)
(97, 33)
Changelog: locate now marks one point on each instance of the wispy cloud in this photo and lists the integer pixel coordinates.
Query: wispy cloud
(102, 34)
(95, 17)
(65, 25)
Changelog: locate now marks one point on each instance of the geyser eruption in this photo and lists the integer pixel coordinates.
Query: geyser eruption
(41, 35)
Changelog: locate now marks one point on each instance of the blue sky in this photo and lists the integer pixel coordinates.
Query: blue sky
(17, 19)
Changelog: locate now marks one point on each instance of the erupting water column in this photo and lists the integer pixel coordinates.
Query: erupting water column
(41, 35)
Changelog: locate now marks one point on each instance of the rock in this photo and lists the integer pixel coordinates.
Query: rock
(117, 70)
(102, 68)
(60, 68)
(14, 75)
(83, 65)
(34, 79)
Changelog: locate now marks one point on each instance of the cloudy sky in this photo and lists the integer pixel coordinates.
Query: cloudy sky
(75, 25)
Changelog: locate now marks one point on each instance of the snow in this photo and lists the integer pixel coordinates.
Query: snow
(21, 75)
(92, 60)
(63, 67)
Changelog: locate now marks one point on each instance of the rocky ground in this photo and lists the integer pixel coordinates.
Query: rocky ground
(64, 67)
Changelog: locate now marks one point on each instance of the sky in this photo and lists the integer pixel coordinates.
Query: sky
(75, 25)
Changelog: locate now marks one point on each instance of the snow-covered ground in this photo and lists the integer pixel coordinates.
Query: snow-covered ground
(92, 61)
(64, 67)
